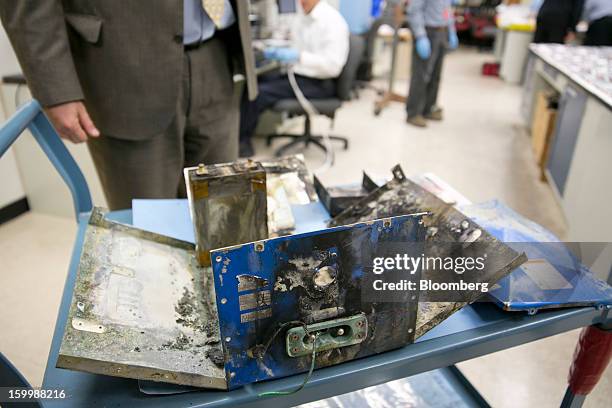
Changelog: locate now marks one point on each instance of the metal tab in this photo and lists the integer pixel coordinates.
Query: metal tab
(330, 335)
(87, 325)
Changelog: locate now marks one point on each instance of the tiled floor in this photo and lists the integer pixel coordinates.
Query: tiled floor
(479, 149)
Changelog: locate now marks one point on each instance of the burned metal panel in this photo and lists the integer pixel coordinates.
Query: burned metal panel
(338, 199)
(445, 225)
(228, 205)
(142, 308)
(312, 278)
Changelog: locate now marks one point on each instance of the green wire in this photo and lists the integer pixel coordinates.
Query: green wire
(312, 366)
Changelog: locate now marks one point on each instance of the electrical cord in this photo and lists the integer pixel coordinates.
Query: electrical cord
(311, 111)
(261, 351)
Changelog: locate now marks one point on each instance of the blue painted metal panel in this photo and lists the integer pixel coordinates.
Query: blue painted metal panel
(283, 269)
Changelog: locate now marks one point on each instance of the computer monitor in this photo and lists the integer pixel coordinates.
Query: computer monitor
(286, 6)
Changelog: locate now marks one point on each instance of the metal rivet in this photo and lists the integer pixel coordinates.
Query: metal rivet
(409, 330)
(228, 339)
(201, 169)
(232, 374)
(340, 332)
(218, 258)
(223, 301)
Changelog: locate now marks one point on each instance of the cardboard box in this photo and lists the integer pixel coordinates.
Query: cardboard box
(543, 127)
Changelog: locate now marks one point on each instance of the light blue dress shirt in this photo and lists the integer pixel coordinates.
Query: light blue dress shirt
(357, 14)
(197, 25)
(430, 13)
(596, 9)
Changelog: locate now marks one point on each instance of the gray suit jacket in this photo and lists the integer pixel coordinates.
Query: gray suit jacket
(124, 58)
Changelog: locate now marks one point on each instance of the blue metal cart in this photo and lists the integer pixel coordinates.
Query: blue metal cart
(474, 331)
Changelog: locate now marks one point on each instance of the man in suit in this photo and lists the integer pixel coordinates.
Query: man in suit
(148, 85)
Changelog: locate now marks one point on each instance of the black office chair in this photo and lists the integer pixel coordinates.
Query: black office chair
(327, 107)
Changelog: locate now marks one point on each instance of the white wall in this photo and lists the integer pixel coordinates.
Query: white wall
(11, 188)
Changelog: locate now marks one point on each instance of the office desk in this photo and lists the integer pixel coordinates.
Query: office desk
(474, 331)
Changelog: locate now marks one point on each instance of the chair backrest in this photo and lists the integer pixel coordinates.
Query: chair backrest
(31, 116)
(349, 72)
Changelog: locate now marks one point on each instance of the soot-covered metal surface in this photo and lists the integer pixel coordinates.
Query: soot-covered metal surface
(338, 199)
(228, 205)
(142, 308)
(306, 279)
(448, 233)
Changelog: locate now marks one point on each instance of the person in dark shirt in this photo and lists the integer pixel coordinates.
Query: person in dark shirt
(598, 13)
(557, 19)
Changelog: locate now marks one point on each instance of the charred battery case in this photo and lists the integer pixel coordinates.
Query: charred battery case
(338, 199)
(449, 233)
(228, 205)
(143, 308)
(273, 294)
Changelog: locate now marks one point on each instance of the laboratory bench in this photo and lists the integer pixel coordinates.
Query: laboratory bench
(578, 165)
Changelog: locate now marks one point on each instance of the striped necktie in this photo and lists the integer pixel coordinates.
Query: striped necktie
(215, 10)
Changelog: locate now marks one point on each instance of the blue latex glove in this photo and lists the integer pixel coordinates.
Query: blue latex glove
(282, 54)
(423, 47)
(453, 40)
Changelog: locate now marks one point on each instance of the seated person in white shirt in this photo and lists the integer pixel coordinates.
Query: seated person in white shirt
(318, 52)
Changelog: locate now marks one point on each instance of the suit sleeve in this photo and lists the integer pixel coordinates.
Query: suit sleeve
(37, 31)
